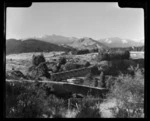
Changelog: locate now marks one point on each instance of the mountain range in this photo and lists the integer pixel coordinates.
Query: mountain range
(86, 41)
(61, 43)
(115, 42)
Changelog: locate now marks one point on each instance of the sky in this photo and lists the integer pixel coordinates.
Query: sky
(96, 20)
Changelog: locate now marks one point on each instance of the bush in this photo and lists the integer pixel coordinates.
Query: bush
(30, 100)
(95, 70)
(129, 93)
(36, 60)
(62, 61)
(85, 51)
(114, 67)
(89, 80)
(36, 72)
(89, 77)
(26, 100)
(110, 81)
(113, 55)
(38, 68)
(15, 75)
(87, 64)
(87, 112)
(71, 66)
(88, 108)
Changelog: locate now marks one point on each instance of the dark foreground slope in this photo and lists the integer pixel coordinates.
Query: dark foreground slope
(31, 45)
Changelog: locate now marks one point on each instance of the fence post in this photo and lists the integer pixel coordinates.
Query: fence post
(96, 83)
(68, 104)
(102, 79)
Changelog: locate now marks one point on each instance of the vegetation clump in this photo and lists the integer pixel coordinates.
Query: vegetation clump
(30, 100)
(36, 60)
(38, 68)
(129, 94)
(62, 61)
(71, 66)
(95, 70)
(15, 74)
(87, 64)
(113, 55)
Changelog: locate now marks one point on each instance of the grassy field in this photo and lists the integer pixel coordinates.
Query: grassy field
(23, 61)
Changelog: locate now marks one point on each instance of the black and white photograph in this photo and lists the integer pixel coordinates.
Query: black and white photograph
(74, 60)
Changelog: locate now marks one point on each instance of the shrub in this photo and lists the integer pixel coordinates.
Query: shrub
(85, 51)
(110, 81)
(140, 62)
(87, 112)
(87, 64)
(89, 80)
(36, 60)
(95, 70)
(62, 61)
(54, 69)
(26, 100)
(71, 66)
(30, 100)
(89, 76)
(36, 72)
(15, 75)
(104, 65)
(43, 70)
(113, 55)
(114, 67)
(88, 108)
(129, 93)
(38, 68)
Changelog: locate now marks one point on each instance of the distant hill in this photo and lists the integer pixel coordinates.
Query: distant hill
(31, 45)
(87, 43)
(119, 42)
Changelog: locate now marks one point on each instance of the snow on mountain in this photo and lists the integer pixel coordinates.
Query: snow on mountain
(119, 42)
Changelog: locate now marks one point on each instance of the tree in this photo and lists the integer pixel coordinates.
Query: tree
(62, 61)
(36, 60)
